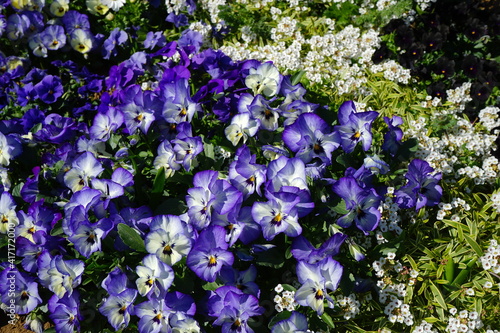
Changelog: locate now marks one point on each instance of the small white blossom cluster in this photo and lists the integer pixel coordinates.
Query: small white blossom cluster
(286, 27)
(489, 118)
(431, 102)
(460, 95)
(464, 139)
(392, 293)
(212, 7)
(393, 71)
(175, 6)
(491, 259)
(495, 199)
(446, 209)
(349, 305)
(424, 327)
(221, 153)
(424, 4)
(202, 28)
(463, 321)
(383, 4)
(285, 299)
(390, 218)
(247, 34)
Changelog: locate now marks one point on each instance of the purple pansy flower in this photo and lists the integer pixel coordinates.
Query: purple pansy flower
(422, 188)
(65, 312)
(210, 253)
(311, 137)
(155, 277)
(84, 169)
(392, 139)
(296, 323)
(354, 127)
(362, 204)
(49, 89)
(245, 174)
(25, 295)
(53, 37)
(118, 307)
(116, 37)
(302, 249)
(154, 316)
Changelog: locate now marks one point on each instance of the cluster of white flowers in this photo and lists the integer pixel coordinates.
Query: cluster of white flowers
(463, 321)
(247, 34)
(392, 293)
(175, 6)
(349, 305)
(495, 199)
(221, 153)
(390, 217)
(447, 209)
(285, 299)
(463, 140)
(393, 71)
(431, 102)
(384, 4)
(491, 259)
(287, 26)
(489, 118)
(424, 327)
(424, 4)
(460, 95)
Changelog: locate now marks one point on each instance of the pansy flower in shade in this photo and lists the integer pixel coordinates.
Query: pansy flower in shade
(362, 204)
(311, 137)
(64, 275)
(315, 280)
(106, 124)
(155, 38)
(422, 188)
(261, 109)
(118, 308)
(186, 149)
(278, 215)
(24, 294)
(155, 277)
(29, 250)
(17, 26)
(116, 37)
(296, 323)
(302, 249)
(243, 280)
(65, 312)
(8, 217)
(242, 127)
(264, 79)
(233, 309)
(37, 46)
(81, 40)
(209, 253)
(168, 239)
(116, 282)
(56, 129)
(291, 111)
(49, 89)
(53, 37)
(83, 169)
(59, 7)
(153, 316)
(209, 195)
(87, 236)
(245, 174)
(354, 127)
(392, 139)
(179, 106)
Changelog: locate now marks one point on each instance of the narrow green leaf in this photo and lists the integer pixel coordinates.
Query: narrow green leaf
(131, 238)
(328, 320)
(297, 77)
(431, 320)
(437, 295)
(159, 182)
(449, 271)
(475, 246)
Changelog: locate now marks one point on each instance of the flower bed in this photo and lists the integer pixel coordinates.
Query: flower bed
(206, 167)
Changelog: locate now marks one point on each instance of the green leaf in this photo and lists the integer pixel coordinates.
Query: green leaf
(437, 295)
(328, 320)
(297, 77)
(475, 246)
(131, 238)
(449, 271)
(159, 182)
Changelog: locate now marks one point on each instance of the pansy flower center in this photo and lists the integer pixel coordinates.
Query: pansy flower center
(319, 294)
(212, 261)
(167, 250)
(356, 135)
(277, 219)
(25, 295)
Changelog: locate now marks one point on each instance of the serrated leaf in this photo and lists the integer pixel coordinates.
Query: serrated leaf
(131, 238)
